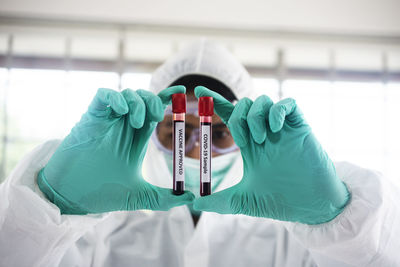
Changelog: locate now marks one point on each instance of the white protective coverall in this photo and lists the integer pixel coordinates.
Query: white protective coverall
(33, 233)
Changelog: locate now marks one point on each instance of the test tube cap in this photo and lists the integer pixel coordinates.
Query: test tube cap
(206, 106)
(179, 103)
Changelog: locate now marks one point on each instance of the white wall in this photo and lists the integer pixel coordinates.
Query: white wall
(342, 16)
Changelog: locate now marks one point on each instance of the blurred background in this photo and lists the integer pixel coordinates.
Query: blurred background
(339, 59)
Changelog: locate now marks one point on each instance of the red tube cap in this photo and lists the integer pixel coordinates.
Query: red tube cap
(206, 106)
(179, 103)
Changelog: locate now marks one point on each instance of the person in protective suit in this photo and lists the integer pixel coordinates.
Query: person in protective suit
(102, 197)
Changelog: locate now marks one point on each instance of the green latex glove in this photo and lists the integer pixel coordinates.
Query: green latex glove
(286, 174)
(98, 166)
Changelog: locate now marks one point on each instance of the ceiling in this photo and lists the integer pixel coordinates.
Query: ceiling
(371, 17)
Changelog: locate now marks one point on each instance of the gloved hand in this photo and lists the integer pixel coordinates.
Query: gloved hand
(98, 166)
(286, 174)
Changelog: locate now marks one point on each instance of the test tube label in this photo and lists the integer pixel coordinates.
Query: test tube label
(205, 150)
(179, 151)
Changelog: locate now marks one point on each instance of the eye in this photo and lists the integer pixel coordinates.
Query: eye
(220, 134)
(187, 136)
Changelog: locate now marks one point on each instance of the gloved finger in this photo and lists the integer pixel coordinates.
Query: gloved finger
(166, 94)
(137, 108)
(257, 118)
(285, 109)
(154, 114)
(157, 198)
(219, 202)
(108, 98)
(222, 107)
(167, 200)
(238, 122)
(154, 106)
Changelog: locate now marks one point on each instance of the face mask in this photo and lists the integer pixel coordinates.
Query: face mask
(220, 167)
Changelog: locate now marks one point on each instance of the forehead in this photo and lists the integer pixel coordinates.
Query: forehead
(190, 96)
(192, 104)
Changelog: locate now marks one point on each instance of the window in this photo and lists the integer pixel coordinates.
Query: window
(314, 100)
(392, 132)
(269, 87)
(43, 105)
(136, 80)
(355, 122)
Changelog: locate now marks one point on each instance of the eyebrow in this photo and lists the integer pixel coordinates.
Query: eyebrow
(219, 125)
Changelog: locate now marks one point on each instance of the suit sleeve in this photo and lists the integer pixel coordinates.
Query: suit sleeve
(32, 230)
(366, 233)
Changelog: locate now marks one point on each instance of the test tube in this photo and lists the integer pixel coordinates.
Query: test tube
(206, 110)
(179, 110)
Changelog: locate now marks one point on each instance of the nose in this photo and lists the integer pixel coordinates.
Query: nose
(194, 152)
